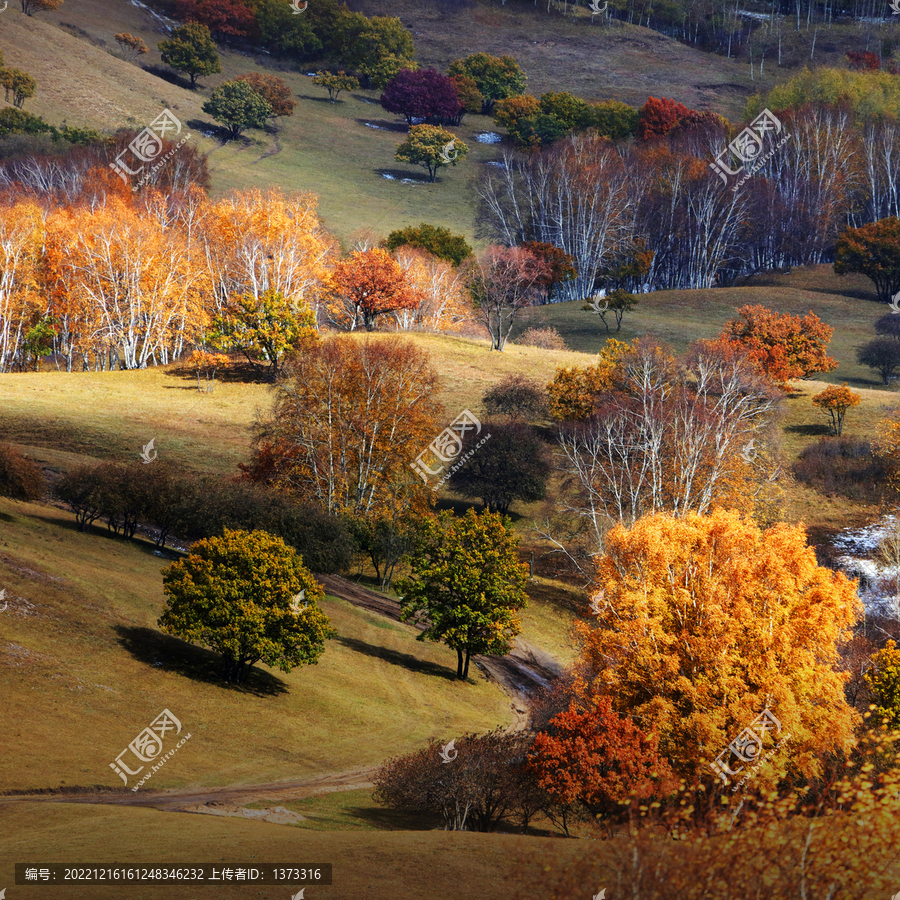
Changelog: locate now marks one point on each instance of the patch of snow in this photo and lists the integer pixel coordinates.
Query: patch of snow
(401, 180)
(311, 74)
(488, 137)
(494, 162)
(388, 176)
(417, 120)
(373, 125)
(169, 23)
(859, 545)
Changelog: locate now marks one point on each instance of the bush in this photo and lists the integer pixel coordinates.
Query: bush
(518, 397)
(20, 479)
(882, 355)
(542, 338)
(839, 467)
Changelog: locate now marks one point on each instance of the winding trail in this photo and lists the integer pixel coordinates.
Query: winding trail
(520, 673)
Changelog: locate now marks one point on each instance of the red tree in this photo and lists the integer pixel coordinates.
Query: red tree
(224, 18)
(373, 283)
(424, 94)
(863, 61)
(659, 116)
(559, 264)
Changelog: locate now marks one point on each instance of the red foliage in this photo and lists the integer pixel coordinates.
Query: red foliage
(224, 18)
(863, 61)
(658, 117)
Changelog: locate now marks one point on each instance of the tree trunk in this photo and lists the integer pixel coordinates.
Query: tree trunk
(466, 669)
(459, 664)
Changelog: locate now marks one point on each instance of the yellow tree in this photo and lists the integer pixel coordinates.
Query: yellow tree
(438, 285)
(836, 400)
(259, 241)
(21, 238)
(702, 622)
(343, 413)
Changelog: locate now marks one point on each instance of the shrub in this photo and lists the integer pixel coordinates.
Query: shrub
(518, 397)
(542, 338)
(839, 467)
(20, 478)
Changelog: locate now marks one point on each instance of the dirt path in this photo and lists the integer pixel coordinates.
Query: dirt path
(519, 674)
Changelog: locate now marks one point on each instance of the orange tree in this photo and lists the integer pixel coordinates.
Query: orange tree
(466, 585)
(248, 596)
(369, 284)
(702, 620)
(782, 345)
(872, 250)
(836, 401)
(883, 680)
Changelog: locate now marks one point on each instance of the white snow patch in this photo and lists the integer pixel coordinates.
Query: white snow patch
(859, 546)
(488, 137)
(373, 125)
(169, 23)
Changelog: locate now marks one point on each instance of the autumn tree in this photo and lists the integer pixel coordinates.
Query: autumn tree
(784, 346)
(883, 680)
(469, 96)
(511, 466)
(377, 47)
(574, 390)
(238, 106)
(265, 327)
(715, 614)
(442, 300)
(466, 585)
(424, 94)
(371, 283)
(496, 77)
(872, 250)
(273, 90)
(659, 116)
(336, 83)
(287, 33)
(888, 326)
(882, 355)
(559, 265)
(590, 755)
(224, 18)
(436, 239)
(432, 148)
(18, 83)
(191, 50)
(20, 478)
(341, 412)
(134, 46)
(518, 397)
(502, 283)
(248, 596)
(836, 401)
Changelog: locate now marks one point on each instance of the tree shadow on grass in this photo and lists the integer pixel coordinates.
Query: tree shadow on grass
(197, 663)
(395, 657)
(809, 430)
(392, 820)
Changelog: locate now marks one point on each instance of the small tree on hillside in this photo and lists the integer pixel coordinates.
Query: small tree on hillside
(20, 478)
(560, 265)
(836, 401)
(518, 397)
(432, 148)
(30, 7)
(882, 355)
(466, 585)
(191, 50)
(424, 94)
(273, 90)
(248, 596)
(238, 107)
(131, 46)
(335, 84)
(18, 83)
(616, 303)
(872, 250)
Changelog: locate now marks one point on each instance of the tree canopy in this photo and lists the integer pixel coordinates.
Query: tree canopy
(191, 50)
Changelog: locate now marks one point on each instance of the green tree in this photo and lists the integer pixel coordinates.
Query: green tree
(618, 303)
(248, 596)
(613, 119)
(571, 111)
(378, 47)
(883, 680)
(872, 250)
(191, 50)
(431, 147)
(238, 107)
(334, 84)
(466, 585)
(497, 77)
(285, 32)
(18, 83)
(265, 326)
(437, 240)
